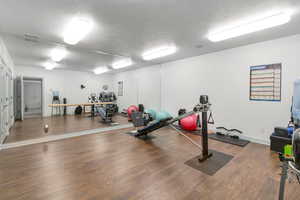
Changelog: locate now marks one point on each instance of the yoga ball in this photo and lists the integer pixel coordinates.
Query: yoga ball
(162, 115)
(131, 109)
(189, 123)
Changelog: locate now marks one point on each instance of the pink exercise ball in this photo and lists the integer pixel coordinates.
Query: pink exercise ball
(131, 109)
(189, 123)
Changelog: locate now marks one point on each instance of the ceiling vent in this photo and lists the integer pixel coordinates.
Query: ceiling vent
(199, 46)
(31, 38)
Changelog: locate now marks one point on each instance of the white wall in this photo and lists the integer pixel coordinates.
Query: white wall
(140, 86)
(6, 91)
(67, 83)
(224, 76)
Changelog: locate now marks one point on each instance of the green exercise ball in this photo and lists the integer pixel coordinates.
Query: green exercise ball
(162, 115)
(152, 113)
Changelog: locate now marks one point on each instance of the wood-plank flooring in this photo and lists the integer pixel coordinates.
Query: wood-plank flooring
(116, 166)
(33, 128)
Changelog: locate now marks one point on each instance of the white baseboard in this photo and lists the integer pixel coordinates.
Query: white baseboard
(2, 139)
(256, 140)
(52, 138)
(7, 132)
(12, 122)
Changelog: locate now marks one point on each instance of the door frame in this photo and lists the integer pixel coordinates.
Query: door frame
(42, 90)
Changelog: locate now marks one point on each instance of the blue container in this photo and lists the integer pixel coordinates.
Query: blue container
(290, 130)
(55, 93)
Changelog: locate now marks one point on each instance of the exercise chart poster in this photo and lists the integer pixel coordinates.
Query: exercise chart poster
(265, 82)
(120, 88)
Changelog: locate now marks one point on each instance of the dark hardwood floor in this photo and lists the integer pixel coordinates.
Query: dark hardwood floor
(117, 166)
(34, 127)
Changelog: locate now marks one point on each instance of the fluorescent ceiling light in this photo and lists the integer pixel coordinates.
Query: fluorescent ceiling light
(122, 63)
(49, 65)
(159, 52)
(76, 30)
(101, 70)
(258, 24)
(58, 54)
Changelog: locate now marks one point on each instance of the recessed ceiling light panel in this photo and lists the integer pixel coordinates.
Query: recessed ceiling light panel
(101, 70)
(258, 24)
(122, 63)
(76, 30)
(58, 54)
(159, 52)
(49, 65)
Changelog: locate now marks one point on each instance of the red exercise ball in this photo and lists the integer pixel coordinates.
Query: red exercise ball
(131, 109)
(189, 123)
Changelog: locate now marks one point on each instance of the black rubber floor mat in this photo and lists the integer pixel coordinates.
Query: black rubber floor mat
(213, 136)
(229, 140)
(211, 165)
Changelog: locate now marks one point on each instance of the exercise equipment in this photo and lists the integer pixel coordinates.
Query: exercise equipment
(138, 116)
(210, 119)
(203, 107)
(192, 123)
(181, 111)
(78, 110)
(141, 108)
(138, 119)
(291, 165)
(55, 100)
(130, 110)
(162, 115)
(229, 140)
(296, 149)
(107, 111)
(93, 99)
(232, 133)
(152, 113)
(189, 123)
(65, 107)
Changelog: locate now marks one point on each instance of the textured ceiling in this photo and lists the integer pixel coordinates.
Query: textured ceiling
(128, 27)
